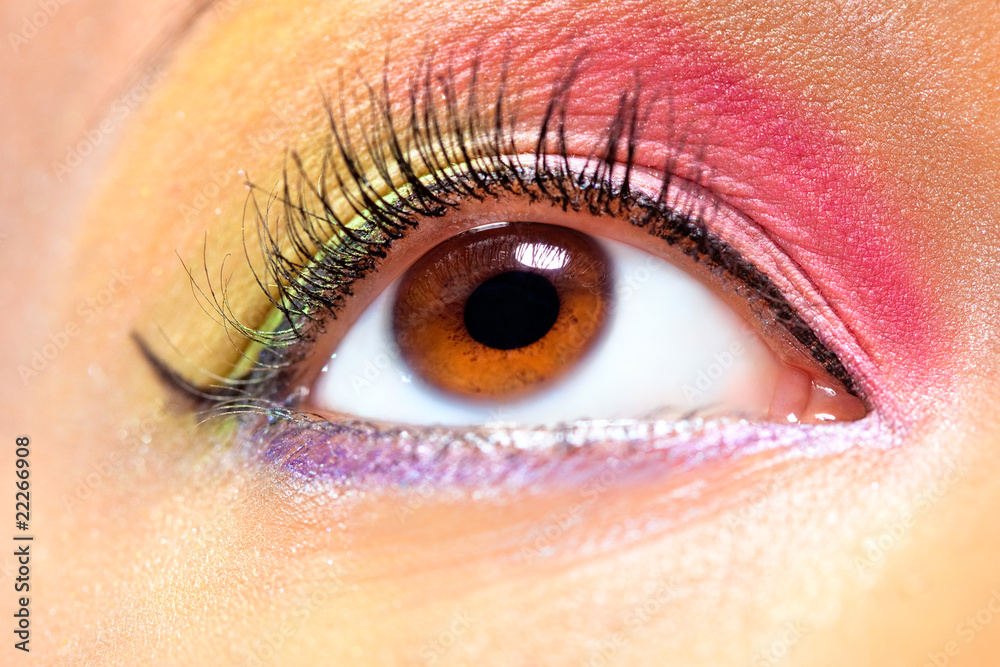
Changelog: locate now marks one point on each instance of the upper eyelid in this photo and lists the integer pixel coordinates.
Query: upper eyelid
(764, 288)
(175, 29)
(442, 189)
(369, 187)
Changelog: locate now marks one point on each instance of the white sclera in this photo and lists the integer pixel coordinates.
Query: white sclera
(671, 347)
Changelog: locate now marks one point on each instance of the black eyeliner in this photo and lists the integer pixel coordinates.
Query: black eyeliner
(463, 152)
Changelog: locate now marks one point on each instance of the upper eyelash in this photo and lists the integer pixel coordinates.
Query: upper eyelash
(444, 153)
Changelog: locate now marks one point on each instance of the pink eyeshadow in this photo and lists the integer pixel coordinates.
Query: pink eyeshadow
(775, 158)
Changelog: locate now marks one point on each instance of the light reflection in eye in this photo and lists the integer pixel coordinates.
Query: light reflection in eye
(535, 256)
(670, 348)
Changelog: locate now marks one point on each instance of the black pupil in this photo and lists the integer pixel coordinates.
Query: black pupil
(512, 310)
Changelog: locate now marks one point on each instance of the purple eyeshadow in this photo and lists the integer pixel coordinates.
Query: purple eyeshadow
(365, 456)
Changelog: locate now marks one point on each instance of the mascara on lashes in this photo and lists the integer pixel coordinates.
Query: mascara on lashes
(465, 151)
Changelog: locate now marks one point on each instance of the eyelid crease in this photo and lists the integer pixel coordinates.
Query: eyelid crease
(331, 236)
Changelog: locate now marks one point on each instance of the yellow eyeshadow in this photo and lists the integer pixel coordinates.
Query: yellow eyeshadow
(187, 157)
(187, 337)
(214, 119)
(183, 327)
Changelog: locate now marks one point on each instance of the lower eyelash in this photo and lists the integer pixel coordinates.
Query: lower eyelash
(444, 154)
(366, 456)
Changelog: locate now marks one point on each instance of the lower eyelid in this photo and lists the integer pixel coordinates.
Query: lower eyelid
(360, 455)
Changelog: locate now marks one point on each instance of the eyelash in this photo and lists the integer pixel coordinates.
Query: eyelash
(466, 152)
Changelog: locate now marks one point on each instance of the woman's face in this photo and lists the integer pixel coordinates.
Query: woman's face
(844, 154)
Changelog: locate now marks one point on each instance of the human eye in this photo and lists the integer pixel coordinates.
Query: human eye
(388, 256)
(820, 178)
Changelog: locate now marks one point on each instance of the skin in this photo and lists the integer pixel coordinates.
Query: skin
(163, 544)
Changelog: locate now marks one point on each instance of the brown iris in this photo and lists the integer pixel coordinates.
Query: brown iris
(499, 312)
